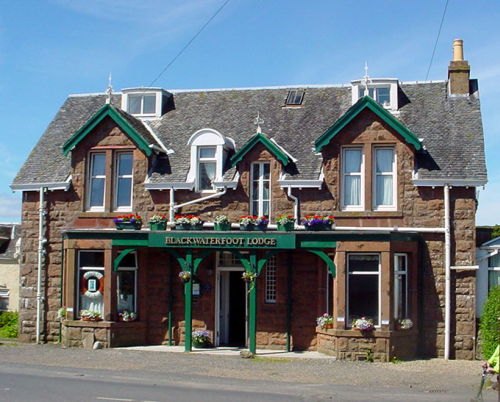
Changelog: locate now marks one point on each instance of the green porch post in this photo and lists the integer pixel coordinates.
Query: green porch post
(188, 303)
(289, 303)
(170, 304)
(252, 319)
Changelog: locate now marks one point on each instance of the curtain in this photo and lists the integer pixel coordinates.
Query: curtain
(352, 182)
(384, 176)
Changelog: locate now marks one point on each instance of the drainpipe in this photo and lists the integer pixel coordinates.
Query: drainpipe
(295, 206)
(174, 207)
(447, 263)
(41, 252)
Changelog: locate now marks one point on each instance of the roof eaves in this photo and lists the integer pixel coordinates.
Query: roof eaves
(271, 146)
(367, 103)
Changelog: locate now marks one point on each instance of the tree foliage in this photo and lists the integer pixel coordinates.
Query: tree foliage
(489, 323)
(495, 232)
(8, 324)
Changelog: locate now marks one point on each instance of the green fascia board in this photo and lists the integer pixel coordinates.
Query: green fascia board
(367, 103)
(105, 111)
(268, 144)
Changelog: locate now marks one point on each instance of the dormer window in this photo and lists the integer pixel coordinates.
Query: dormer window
(144, 103)
(295, 98)
(209, 152)
(383, 90)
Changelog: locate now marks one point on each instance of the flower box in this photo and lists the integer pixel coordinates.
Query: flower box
(286, 227)
(318, 222)
(158, 226)
(249, 227)
(262, 227)
(128, 225)
(201, 339)
(222, 226)
(188, 222)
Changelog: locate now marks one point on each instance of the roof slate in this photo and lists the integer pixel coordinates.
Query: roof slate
(451, 129)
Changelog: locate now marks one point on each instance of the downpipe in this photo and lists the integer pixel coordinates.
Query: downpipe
(174, 207)
(447, 263)
(41, 253)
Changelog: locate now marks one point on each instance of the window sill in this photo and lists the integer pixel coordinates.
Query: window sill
(368, 214)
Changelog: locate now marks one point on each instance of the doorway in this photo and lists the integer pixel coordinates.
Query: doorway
(231, 308)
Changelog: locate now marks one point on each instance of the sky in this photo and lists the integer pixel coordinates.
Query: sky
(52, 48)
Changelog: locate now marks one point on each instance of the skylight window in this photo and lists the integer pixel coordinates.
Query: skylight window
(295, 98)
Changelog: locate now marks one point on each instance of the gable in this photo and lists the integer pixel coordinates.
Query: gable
(263, 140)
(120, 120)
(366, 103)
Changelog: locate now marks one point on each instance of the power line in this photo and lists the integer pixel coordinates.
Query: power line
(189, 43)
(437, 39)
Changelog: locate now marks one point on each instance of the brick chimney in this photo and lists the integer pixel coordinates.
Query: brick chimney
(458, 71)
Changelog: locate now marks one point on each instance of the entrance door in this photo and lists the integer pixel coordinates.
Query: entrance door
(232, 308)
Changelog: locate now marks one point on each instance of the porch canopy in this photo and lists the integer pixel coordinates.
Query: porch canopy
(190, 248)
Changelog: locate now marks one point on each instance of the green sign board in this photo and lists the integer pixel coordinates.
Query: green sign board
(223, 240)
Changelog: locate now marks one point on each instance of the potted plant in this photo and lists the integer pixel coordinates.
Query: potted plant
(247, 222)
(325, 321)
(249, 276)
(318, 222)
(184, 276)
(90, 315)
(158, 222)
(127, 316)
(128, 222)
(201, 339)
(261, 223)
(363, 324)
(286, 223)
(404, 323)
(188, 222)
(222, 222)
(62, 313)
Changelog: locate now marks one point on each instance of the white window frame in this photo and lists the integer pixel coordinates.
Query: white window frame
(134, 269)
(131, 92)
(260, 188)
(199, 160)
(95, 208)
(271, 280)
(397, 272)
(378, 273)
(393, 173)
(375, 83)
(116, 176)
(491, 269)
(347, 207)
(5, 295)
(85, 268)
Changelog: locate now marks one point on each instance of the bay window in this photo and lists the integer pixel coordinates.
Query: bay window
(352, 179)
(260, 189)
(400, 286)
(363, 287)
(91, 281)
(384, 179)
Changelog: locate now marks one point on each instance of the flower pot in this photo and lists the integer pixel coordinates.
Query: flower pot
(198, 226)
(197, 344)
(327, 326)
(320, 227)
(91, 319)
(248, 228)
(286, 227)
(183, 226)
(261, 228)
(158, 226)
(223, 226)
(128, 225)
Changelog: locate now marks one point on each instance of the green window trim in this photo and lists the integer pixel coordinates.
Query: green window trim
(367, 103)
(260, 138)
(99, 116)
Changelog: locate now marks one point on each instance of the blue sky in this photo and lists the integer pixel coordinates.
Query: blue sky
(52, 48)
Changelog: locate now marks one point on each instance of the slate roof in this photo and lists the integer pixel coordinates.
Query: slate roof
(7, 243)
(451, 129)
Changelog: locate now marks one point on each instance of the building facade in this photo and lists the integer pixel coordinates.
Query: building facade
(396, 163)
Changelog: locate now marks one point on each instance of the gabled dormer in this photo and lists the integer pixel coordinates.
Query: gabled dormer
(146, 103)
(383, 90)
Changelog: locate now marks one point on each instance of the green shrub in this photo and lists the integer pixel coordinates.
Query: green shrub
(489, 325)
(8, 324)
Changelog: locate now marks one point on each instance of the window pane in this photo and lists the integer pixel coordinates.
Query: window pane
(400, 296)
(255, 190)
(383, 96)
(493, 279)
(92, 259)
(384, 159)
(352, 190)
(265, 192)
(352, 163)
(266, 171)
(149, 104)
(265, 208)
(124, 192)
(98, 165)
(361, 262)
(96, 192)
(255, 171)
(494, 261)
(134, 104)
(124, 164)
(363, 297)
(126, 291)
(255, 208)
(384, 190)
(207, 175)
(207, 152)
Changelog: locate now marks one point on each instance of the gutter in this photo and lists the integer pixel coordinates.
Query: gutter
(49, 186)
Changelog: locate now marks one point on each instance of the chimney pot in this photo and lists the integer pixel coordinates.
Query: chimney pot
(458, 50)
